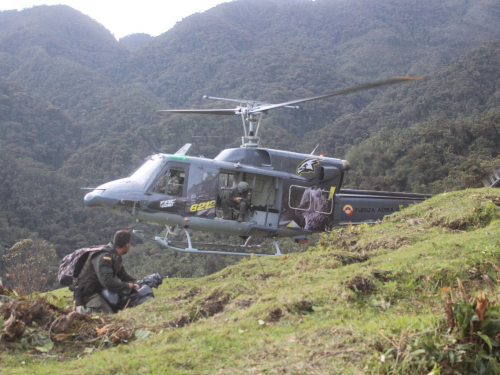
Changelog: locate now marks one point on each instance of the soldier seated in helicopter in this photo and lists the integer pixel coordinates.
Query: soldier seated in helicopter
(160, 185)
(174, 186)
(238, 198)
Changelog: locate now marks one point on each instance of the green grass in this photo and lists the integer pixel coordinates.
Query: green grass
(337, 308)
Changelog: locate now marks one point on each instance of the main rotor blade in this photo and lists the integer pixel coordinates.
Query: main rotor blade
(366, 86)
(227, 112)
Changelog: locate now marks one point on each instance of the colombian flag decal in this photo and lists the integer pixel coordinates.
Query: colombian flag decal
(348, 210)
(106, 258)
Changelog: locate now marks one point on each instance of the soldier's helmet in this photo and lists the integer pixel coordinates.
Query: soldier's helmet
(243, 187)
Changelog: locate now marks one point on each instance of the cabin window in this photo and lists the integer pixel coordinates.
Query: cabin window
(310, 199)
(172, 182)
(148, 171)
(299, 198)
(202, 181)
(226, 180)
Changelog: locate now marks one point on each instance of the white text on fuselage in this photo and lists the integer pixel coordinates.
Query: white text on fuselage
(166, 204)
(371, 209)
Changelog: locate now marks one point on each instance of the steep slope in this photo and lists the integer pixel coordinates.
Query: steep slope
(467, 86)
(267, 51)
(453, 139)
(56, 52)
(67, 84)
(33, 128)
(36, 199)
(135, 41)
(441, 154)
(60, 31)
(369, 299)
(252, 44)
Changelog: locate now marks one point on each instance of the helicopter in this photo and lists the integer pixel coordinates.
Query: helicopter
(291, 194)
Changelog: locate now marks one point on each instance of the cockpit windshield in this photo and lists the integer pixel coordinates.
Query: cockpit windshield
(148, 170)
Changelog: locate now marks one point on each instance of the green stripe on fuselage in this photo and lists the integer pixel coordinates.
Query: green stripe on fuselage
(178, 157)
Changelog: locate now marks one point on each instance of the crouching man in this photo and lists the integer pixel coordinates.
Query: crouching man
(104, 270)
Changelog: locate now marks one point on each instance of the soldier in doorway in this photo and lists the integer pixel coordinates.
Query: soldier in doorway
(239, 198)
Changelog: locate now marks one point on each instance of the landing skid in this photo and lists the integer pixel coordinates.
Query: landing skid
(187, 247)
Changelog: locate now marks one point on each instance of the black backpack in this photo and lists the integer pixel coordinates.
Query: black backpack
(72, 264)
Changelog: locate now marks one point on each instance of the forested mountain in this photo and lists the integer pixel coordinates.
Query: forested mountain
(442, 135)
(78, 108)
(135, 41)
(59, 31)
(36, 198)
(467, 86)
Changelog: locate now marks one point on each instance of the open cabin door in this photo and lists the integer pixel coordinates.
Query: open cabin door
(266, 194)
(307, 207)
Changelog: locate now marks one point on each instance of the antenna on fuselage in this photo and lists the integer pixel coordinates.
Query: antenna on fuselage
(183, 149)
(315, 148)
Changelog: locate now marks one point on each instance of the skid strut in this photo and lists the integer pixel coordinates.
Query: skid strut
(175, 245)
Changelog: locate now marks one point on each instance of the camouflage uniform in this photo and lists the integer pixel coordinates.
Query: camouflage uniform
(230, 202)
(103, 270)
(174, 186)
(160, 186)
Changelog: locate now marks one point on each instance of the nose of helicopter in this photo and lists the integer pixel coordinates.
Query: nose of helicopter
(97, 198)
(111, 194)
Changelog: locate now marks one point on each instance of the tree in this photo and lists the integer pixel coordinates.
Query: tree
(31, 266)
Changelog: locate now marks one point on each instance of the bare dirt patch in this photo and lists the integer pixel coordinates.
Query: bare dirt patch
(361, 284)
(244, 303)
(210, 306)
(189, 295)
(275, 315)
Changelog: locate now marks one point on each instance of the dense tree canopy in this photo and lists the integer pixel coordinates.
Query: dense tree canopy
(78, 108)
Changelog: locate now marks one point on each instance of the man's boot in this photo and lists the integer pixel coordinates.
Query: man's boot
(240, 218)
(227, 217)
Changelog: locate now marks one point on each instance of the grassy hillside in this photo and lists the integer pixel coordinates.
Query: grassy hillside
(368, 299)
